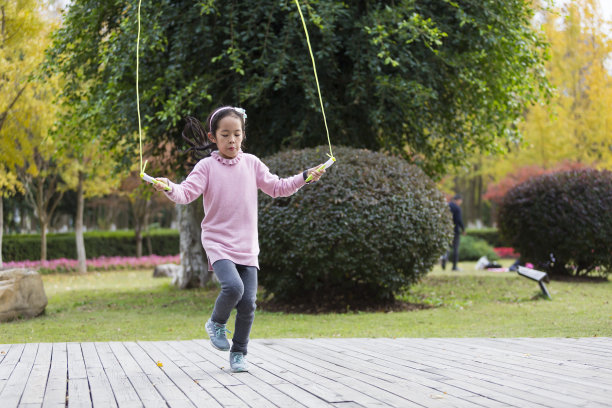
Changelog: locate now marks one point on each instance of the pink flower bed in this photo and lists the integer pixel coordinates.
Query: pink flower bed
(506, 252)
(97, 264)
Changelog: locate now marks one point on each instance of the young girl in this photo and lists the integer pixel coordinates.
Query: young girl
(228, 181)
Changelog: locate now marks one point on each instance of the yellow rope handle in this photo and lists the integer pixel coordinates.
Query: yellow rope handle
(314, 67)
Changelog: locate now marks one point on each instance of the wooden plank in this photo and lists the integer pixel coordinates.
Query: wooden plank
(194, 392)
(4, 348)
(317, 368)
(282, 387)
(99, 386)
(34, 391)
(580, 358)
(56, 389)
(465, 366)
(485, 368)
(147, 393)
(78, 393)
(398, 377)
(550, 344)
(514, 357)
(401, 367)
(8, 363)
(164, 386)
(387, 379)
(299, 397)
(13, 389)
(76, 364)
(481, 375)
(236, 394)
(78, 387)
(317, 385)
(471, 366)
(324, 387)
(346, 373)
(252, 379)
(123, 390)
(204, 371)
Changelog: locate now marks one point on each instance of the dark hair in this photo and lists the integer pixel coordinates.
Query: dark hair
(195, 134)
(457, 197)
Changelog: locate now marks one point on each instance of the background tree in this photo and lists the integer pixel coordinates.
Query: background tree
(89, 175)
(44, 188)
(25, 114)
(9, 186)
(430, 80)
(573, 129)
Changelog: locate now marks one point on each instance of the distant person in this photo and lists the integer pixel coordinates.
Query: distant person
(455, 207)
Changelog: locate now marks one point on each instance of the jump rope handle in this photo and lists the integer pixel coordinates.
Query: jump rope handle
(324, 166)
(151, 180)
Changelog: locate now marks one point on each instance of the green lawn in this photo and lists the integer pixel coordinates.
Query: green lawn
(113, 306)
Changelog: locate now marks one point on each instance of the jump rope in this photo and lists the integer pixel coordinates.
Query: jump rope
(152, 180)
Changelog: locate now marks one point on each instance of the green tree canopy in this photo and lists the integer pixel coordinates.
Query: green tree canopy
(433, 80)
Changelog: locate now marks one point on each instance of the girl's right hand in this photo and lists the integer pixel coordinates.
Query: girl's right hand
(159, 187)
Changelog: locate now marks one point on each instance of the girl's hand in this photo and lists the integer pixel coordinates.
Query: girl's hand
(316, 174)
(159, 187)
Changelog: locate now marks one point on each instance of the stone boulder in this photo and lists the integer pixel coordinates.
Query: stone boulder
(21, 294)
(166, 270)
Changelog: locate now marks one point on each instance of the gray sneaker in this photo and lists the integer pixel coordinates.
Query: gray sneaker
(217, 332)
(238, 362)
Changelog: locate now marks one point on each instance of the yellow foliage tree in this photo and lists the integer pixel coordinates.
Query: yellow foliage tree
(576, 125)
(26, 108)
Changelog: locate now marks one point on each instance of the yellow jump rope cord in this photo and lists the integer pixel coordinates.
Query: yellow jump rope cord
(137, 93)
(314, 67)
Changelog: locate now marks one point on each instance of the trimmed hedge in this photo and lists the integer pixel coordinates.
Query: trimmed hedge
(97, 244)
(490, 235)
(472, 249)
(562, 221)
(369, 229)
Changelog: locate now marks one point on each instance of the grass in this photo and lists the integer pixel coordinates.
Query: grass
(131, 305)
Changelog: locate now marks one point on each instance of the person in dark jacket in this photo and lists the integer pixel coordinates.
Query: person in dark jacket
(455, 207)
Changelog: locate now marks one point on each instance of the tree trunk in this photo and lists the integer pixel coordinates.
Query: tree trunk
(43, 240)
(194, 264)
(140, 210)
(78, 227)
(138, 235)
(1, 227)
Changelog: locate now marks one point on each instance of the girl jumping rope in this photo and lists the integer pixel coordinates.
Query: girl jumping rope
(229, 180)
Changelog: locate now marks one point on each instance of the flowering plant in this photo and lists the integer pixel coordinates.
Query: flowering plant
(506, 252)
(103, 263)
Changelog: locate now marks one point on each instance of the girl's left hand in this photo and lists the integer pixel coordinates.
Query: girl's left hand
(316, 174)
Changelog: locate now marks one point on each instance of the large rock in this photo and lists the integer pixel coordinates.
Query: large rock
(21, 294)
(169, 270)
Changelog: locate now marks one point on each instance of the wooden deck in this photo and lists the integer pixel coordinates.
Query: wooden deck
(346, 373)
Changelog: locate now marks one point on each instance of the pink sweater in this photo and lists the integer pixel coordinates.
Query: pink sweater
(229, 228)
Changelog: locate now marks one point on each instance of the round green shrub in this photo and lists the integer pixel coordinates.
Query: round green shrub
(562, 222)
(472, 249)
(370, 228)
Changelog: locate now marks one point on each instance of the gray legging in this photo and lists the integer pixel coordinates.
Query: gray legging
(239, 290)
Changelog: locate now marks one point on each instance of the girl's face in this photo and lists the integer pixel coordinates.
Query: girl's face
(228, 136)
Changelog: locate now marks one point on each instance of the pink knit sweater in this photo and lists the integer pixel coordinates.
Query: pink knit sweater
(229, 187)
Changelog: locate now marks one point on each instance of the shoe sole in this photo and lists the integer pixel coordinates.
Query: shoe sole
(218, 348)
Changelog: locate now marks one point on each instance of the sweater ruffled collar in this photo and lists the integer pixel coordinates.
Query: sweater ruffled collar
(225, 161)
